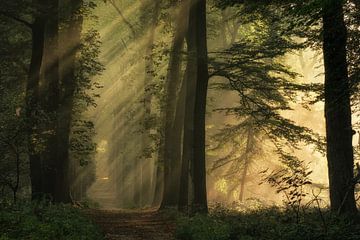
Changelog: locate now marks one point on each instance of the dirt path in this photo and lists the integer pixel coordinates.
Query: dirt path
(133, 225)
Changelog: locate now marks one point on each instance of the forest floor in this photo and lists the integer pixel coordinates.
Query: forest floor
(133, 225)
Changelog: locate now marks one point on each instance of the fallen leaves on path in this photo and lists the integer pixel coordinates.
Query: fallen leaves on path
(133, 225)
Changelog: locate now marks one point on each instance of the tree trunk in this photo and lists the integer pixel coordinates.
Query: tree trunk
(188, 141)
(72, 36)
(338, 110)
(198, 18)
(159, 184)
(50, 95)
(171, 148)
(38, 38)
(147, 143)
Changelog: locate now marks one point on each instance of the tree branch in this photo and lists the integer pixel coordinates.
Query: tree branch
(17, 19)
(112, 2)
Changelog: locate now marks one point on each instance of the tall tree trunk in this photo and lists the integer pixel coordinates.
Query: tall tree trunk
(72, 36)
(188, 141)
(149, 69)
(50, 95)
(38, 39)
(159, 183)
(338, 110)
(171, 160)
(198, 18)
(178, 130)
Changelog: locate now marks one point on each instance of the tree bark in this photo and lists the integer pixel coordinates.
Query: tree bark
(198, 18)
(338, 110)
(50, 96)
(188, 141)
(32, 91)
(171, 148)
(147, 167)
(72, 36)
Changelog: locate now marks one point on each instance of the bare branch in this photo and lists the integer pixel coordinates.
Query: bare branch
(17, 19)
(112, 2)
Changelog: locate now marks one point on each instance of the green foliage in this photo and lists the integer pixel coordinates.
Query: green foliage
(267, 224)
(202, 227)
(88, 203)
(13, 73)
(45, 221)
(88, 67)
(253, 66)
(292, 184)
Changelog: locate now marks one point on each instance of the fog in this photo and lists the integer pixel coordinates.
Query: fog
(127, 179)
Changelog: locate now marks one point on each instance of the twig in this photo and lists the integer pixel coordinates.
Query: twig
(316, 199)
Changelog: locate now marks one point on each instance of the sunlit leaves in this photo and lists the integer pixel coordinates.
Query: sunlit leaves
(292, 184)
(253, 66)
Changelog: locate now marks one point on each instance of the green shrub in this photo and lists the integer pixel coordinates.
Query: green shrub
(44, 221)
(268, 224)
(202, 227)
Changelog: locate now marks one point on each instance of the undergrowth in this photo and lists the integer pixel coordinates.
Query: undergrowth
(45, 221)
(267, 224)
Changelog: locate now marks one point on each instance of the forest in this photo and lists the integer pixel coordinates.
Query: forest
(180, 119)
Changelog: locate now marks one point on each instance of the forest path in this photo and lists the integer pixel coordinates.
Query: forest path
(133, 225)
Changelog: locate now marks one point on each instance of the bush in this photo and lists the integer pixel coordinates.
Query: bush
(202, 227)
(42, 221)
(267, 224)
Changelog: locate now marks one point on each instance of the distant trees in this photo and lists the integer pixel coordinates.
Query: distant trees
(306, 16)
(62, 60)
(252, 67)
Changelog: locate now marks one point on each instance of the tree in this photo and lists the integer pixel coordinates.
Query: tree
(173, 127)
(32, 91)
(266, 87)
(150, 20)
(189, 83)
(32, 98)
(49, 98)
(198, 19)
(337, 109)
